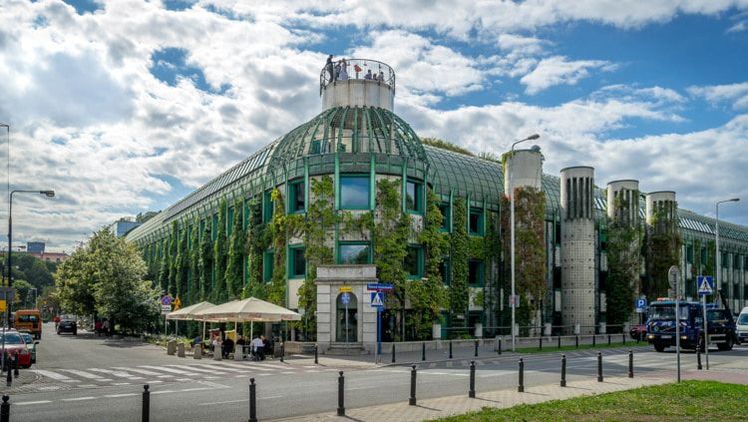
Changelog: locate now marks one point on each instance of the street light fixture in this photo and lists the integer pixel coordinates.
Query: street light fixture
(718, 263)
(511, 192)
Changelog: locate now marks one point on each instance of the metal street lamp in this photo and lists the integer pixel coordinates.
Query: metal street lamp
(48, 194)
(511, 189)
(717, 267)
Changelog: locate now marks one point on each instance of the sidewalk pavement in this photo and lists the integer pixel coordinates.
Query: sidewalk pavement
(428, 409)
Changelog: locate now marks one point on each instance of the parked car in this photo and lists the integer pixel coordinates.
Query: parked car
(15, 347)
(67, 326)
(742, 326)
(638, 332)
(30, 344)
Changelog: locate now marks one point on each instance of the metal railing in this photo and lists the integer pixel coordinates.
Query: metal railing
(356, 69)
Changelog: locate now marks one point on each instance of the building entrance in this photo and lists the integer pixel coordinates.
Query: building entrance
(347, 318)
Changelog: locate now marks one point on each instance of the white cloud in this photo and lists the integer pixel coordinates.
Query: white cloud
(559, 70)
(736, 93)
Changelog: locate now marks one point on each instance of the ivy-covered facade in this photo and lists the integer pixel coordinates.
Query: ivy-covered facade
(356, 185)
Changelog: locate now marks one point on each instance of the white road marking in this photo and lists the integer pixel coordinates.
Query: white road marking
(162, 392)
(120, 395)
(79, 398)
(172, 370)
(136, 370)
(195, 389)
(154, 382)
(222, 402)
(53, 375)
(238, 366)
(121, 383)
(193, 368)
(120, 374)
(269, 397)
(26, 403)
(85, 374)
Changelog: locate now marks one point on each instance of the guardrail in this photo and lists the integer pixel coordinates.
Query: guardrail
(356, 69)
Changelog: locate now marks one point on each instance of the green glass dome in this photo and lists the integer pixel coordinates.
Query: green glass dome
(355, 130)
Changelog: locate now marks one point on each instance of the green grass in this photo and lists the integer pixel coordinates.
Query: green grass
(687, 401)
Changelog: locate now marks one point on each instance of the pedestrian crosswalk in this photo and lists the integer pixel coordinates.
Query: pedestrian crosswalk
(67, 378)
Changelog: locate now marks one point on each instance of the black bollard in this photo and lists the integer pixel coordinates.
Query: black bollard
(698, 359)
(471, 391)
(594, 340)
(499, 348)
(146, 414)
(623, 338)
(412, 400)
(341, 399)
(476, 348)
(521, 386)
(450, 349)
(9, 377)
(631, 364)
(252, 400)
(576, 340)
(283, 351)
(599, 367)
(393, 352)
(15, 366)
(559, 342)
(316, 354)
(423, 351)
(608, 339)
(5, 409)
(563, 370)
(540, 343)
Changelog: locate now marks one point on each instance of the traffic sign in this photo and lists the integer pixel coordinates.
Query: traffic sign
(705, 285)
(165, 309)
(514, 301)
(166, 300)
(379, 287)
(177, 304)
(641, 305)
(346, 289)
(3, 306)
(377, 300)
(345, 298)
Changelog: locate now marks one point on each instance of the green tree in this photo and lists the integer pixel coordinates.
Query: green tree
(234, 271)
(74, 285)
(24, 298)
(219, 293)
(460, 241)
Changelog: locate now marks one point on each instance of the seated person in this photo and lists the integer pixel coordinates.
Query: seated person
(196, 340)
(240, 345)
(258, 348)
(227, 347)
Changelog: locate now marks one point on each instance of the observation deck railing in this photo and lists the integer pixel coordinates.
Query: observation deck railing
(356, 69)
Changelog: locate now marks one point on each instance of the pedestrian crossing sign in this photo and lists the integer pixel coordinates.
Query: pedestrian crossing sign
(377, 300)
(705, 285)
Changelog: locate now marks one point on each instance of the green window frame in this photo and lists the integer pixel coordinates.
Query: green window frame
(445, 270)
(296, 261)
(268, 259)
(214, 228)
(414, 262)
(230, 221)
(476, 272)
(354, 191)
(414, 196)
(268, 207)
(446, 211)
(296, 200)
(346, 251)
(476, 224)
(689, 254)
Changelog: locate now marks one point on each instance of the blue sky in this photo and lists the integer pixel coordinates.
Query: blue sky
(127, 106)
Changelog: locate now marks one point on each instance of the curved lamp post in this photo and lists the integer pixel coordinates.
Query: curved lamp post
(511, 188)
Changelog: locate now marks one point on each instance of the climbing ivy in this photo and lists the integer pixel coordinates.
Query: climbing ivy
(663, 245)
(220, 256)
(282, 227)
(234, 271)
(206, 261)
(173, 248)
(460, 242)
(194, 282)
(256, 244)
(163, 272)
(624, 263)
(182, 266)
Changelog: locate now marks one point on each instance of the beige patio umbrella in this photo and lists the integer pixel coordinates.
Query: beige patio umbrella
(189, 313)
(248, 310)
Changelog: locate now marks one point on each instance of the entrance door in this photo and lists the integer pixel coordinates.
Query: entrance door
(346, 318)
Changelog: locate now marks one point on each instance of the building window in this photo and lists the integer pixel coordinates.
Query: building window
(297, 196)
(230, 221)
(297, 261)
(354, 253)
(354, 192)
(475, 273)
(444, 271)
(689, 254)
(268, 207)
(445, 210)
(476, 221)
(414, 196)
(414, 262)
(267, 266)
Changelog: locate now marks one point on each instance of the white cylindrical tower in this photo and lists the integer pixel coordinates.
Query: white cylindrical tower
(623, 202)
(662, 210)
(525, 168)
(357, 83)
(578, 248)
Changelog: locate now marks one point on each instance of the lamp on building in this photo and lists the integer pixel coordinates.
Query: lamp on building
(718, 267)
(513, 297)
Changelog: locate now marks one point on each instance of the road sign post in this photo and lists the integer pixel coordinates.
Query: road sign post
(377, 301)
(674, 274)
(705, 286)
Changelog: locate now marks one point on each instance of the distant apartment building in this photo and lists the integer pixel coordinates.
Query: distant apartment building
(122, 226)
(51, 256)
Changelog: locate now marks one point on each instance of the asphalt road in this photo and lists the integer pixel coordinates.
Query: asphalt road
(95, 379)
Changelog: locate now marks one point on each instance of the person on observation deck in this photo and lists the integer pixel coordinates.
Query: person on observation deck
(329, 67)
(368, 75)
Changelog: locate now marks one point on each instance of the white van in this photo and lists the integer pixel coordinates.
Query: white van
(742, 326)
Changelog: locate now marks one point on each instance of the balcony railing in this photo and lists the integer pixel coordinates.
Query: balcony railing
(358, 69)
